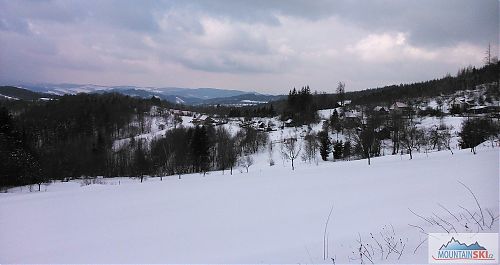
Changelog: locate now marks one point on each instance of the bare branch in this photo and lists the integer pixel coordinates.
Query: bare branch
(473, 195)
(325, 233)
(423, 218)
(415, 251)
(473, 218)
(440, 205)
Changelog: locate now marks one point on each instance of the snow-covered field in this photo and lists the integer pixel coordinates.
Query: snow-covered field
(269, 215)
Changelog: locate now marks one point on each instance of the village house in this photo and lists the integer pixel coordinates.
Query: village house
(203, 120)
(400, 108)
(459, 103)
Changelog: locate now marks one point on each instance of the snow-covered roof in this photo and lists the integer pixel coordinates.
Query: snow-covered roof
(400, 105)
(459, 101)
(346, 102)
(380, 108)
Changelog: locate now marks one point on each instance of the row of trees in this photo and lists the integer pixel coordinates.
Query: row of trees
(200, 149)
(476, 131)
(364, 138)
(257, 111)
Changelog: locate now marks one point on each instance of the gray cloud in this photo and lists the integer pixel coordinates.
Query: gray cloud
(428, 22)
(243, 44)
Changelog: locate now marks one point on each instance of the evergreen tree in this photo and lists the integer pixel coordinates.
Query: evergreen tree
(17, 163)
(200, 149)
(324, 144)
(476, 131)
(337, 150)
(346, 152)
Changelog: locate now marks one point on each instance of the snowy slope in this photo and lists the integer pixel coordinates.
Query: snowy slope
(272, 214)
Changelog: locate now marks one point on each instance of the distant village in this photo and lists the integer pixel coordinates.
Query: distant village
(469, 102)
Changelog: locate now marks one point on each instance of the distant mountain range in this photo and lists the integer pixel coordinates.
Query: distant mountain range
(188, 96)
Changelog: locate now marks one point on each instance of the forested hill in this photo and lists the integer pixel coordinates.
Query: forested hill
(71, 136)
(89, 135)
(10, 92)
(466, 78)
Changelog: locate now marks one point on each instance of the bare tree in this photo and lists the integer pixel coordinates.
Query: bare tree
(396, 123)
(225, 149)
(270, 153)
(246, 162)
(445, 136)
(341, 93)
(311, 147)
(366, 138)
(291, 149)
(434, 138)
(409, 136)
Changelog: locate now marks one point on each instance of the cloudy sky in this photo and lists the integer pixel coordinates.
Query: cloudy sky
(259, 45)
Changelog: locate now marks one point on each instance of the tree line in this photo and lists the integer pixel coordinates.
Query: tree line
(89, 135)
(465, 78)
(363, 137)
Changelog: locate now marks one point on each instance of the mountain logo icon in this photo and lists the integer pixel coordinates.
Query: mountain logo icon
(454, 244)
(463, 248)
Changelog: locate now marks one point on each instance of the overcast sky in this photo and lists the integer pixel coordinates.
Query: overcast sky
(265, 46)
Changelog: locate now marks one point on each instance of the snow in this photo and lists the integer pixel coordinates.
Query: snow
(269, 215)
(64, 91)
(154, 128)
(8, 97)
(179, 100)
(253, 101)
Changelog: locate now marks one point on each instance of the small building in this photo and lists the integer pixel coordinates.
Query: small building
(203, 120)
(346, 103)
(400, 108)
(351, 117)
(381, 110)
(459, 103)
(180, 112)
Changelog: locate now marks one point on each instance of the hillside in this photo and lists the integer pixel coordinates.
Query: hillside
(16, 93)
(465, 79)
(269, 215)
